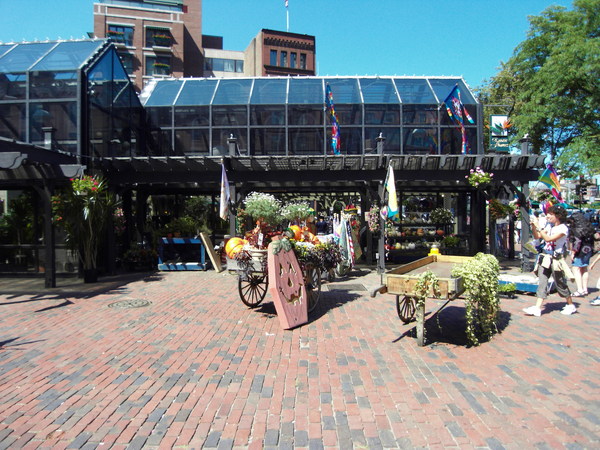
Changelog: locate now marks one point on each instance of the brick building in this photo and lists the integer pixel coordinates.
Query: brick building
(155, 38)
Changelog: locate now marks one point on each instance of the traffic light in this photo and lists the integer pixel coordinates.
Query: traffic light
(583, 190)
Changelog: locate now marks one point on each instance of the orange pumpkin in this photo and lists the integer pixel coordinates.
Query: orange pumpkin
(234, 246)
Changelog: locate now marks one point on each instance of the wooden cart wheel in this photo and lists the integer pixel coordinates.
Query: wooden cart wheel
(253, 288)
(406, 307)
(312, 282)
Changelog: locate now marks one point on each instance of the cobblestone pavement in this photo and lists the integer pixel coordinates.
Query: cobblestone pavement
(175, 360)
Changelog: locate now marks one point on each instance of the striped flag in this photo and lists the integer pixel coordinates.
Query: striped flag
(458, 113)
(225, 195)
(335, 127)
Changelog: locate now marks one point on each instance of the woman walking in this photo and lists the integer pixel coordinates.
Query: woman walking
(551, 262)
(581, 240)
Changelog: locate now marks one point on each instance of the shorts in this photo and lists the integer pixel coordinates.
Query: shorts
(583, 260)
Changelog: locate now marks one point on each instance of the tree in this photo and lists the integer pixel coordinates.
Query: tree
(551, 86)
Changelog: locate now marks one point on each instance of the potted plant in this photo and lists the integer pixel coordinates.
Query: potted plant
(83, 211)
(296, 212)
(162, 40)
(478, 178)
(441, 216)
(450, 244)
(139, 258)
(507, 290)
(265, 209)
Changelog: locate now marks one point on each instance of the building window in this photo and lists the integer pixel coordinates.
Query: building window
(224, 65)
(283, 59)
(120, 34)
(303, 61)
(158, 65)
(273, 60)
(293, 60)
(157, 37)
(127, 60)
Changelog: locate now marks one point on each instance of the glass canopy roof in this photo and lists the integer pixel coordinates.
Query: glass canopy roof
(47, 56)
(303, 90)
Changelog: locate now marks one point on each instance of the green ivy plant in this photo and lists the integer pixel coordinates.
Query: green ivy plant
(427, 283)
(482, 305)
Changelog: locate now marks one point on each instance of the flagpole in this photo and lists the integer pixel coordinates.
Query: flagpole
(287, 17)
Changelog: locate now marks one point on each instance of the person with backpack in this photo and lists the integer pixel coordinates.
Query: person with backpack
(581, 242)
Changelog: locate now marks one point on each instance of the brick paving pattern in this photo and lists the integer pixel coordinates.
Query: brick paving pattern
(85, 368)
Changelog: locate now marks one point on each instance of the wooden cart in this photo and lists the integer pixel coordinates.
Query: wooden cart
(402, 280)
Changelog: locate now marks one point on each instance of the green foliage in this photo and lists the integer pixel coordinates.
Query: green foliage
(18, 223)
(441, 216)
(83, 210)
(507, 287)
(296, 211)
(482, 305)
(551, 86)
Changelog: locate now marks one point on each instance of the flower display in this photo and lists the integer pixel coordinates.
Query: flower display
(373, 219)
(441, 216)
(297, 211)
(263, 207)
(479, 178)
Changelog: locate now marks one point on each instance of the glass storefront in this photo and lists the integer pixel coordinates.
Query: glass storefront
(287, 115)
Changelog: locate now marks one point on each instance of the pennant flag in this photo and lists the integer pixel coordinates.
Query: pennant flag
(286, 3)
(550, 178)
(458, 113)
(335, 128)
(390, 187)
(225, 195)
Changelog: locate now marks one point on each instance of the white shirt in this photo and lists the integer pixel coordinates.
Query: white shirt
(560, 244)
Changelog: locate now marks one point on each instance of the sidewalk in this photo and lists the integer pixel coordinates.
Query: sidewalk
(175, 360)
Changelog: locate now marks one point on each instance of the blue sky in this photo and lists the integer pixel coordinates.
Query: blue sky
(467, 38)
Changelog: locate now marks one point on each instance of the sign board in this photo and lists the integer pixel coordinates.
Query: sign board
(499, 126)
(214, 258)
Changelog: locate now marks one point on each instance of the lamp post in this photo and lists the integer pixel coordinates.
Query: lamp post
(524, 209)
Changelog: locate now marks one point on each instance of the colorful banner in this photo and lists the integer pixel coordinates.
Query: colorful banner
(335, 128)
(458, 113)
(392, 203)
(550, 178)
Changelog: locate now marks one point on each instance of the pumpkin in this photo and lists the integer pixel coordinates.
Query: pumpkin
(234, 246)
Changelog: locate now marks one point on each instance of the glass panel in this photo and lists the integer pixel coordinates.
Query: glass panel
(420, 141)
(293, 57)
(303, 61)
(283, 59)
(192, 142)
(378, 90)
(196, 92)
(306, 141)
(68, 55)
(120, 34)
(12, 121)
(192, 116)
(53, 85)
(5, 47)
(128, 62)
(269, 92)
(443, 87)
(267, 115)
(420, 114)
(345, 90)
(232, 92)
(229, 116)
(391, 143)
(382, 114)
(305, 115)
(60, 115)
(160, 117)
(306, 91)
(349, 114)
(267, 141)
(414, 90)
(350, 141)
(220, 136)
(273, 58)
(452, 141)
(13, 86)
(164, 93)
(23, 56)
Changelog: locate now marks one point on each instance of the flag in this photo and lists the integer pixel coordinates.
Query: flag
(458, 113)
(335, 128)
(550, 178)
(286, 3)
(225, 195)
(390, 187)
